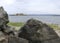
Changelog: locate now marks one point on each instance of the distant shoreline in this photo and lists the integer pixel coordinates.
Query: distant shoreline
(21, 14)
(34, 15)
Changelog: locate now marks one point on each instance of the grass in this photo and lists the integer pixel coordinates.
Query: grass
(54, 26)
(17, 24)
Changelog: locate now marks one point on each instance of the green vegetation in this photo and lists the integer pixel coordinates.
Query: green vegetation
(54, 26)
(17, 24)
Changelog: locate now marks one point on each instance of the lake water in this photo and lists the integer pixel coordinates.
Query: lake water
(45, 19)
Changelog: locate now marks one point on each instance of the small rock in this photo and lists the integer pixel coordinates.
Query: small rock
(17, 40)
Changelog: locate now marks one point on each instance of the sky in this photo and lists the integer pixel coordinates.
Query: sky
(31, 6)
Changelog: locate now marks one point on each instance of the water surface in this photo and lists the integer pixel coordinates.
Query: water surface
(45, 19)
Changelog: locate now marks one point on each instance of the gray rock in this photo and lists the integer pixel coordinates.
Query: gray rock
(52, 41)
(6, 31)
(2, 37)
(3, 21)
(4, 15)
(13, 39)
(37, 32)
(17, 40)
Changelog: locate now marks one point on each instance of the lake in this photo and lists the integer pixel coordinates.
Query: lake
(45, 19)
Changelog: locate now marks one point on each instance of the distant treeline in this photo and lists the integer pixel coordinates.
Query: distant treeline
(34, 14)
(18, 14)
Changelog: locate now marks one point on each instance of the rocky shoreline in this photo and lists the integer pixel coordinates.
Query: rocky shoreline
(33, 31)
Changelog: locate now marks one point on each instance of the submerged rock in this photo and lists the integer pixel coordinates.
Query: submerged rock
(37, 32)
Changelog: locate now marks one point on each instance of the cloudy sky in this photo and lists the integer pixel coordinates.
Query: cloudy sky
(31, 6)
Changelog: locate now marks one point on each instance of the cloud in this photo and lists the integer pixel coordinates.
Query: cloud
(31, 6)
(6, 2)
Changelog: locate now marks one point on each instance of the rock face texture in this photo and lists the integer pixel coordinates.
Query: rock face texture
(13, 39)
(37, 32)
(4, 15)
(3, 21)
(17, 40)
(3, 18)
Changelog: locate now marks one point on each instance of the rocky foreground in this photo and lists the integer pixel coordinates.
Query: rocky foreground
(33, 31)
(56, 30)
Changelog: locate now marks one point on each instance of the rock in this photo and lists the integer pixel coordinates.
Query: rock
(6, 32)
(9, 30)
(3, 19)
(52, 41)
(2, 37)
(3, 22)
(37, 32)
(17, 40)
(4, 15)
(12, 39)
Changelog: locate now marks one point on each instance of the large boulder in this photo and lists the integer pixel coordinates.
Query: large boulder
(4, 15)
(3, 19)
(3, 22)
(37, 32)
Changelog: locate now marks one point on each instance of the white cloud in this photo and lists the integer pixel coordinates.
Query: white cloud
(6, 2)
(9, 1)
(31, 6)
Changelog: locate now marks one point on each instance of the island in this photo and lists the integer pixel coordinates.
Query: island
(18, 14)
